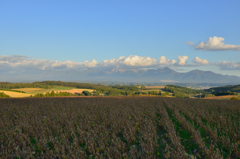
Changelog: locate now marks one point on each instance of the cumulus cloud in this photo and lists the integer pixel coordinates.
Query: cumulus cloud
(92, 63)
(182, 60)
(163, 60)
(17, 64)
(21, 62)
(225, 65)
(214, 44)
(133, 61)
(199, 61)
(136, 62)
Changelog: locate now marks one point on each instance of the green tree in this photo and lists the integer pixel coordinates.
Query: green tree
(86, 93)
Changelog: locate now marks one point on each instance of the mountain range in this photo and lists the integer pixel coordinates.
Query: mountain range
(164, 75)
(160, 75)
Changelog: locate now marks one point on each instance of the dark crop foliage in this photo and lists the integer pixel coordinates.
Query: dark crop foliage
(119, 127)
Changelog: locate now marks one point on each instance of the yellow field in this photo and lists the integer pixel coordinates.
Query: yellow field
(73, 91)
(29, 90)
(154, 87)
(33, 91)
(15, 94)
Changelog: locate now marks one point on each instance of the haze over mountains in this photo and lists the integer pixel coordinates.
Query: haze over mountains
(123, 75)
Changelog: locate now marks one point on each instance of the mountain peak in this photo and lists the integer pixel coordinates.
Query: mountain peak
(196, 70)
(167, 69)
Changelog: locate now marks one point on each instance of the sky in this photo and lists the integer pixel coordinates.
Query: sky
(182, 35)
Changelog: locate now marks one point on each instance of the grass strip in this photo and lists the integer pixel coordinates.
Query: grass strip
(186, 139)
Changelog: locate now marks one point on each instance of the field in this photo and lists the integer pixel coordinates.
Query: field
(29, 90)
(73, 91)
(154, 87)
(220, 97)
(34, 91)
(119, 127)
(15, 94)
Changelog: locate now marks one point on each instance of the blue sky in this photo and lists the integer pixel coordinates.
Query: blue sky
(81, 31)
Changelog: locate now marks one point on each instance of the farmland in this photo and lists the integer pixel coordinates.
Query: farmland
(119, 127)
(154, 87)
(27, 92)
(15, 94)
(221, 97)
(57, 86)
(74, 91)
(55, 89)
(40, 89)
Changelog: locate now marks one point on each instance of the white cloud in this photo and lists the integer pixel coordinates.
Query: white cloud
(225, 65)
(132, 61)
(137, 62)
(182, 60)
(17, 64)
(92, 63)
(163, 60)
(197, 60)
(214, 44)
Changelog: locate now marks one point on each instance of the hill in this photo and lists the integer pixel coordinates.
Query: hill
(28, 89)
(231, 88)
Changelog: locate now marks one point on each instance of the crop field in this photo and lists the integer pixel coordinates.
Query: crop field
(119, 127)
(155, 90)
(29, 90)
(34, 91)
(154, 87)
(15, 94)
(221, 97)
(73, 91)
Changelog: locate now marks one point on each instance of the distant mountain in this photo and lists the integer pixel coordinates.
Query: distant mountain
(164, 75)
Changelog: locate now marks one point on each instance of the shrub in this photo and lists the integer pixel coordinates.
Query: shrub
(86, 93)
(235, 98)
(3, 95)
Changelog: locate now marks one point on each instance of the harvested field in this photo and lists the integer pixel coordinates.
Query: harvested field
(29, 90)
(15, 94)
(119, 127)
(74, 91)
(154, 87)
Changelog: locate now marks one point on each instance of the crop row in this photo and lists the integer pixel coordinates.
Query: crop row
(118, 127)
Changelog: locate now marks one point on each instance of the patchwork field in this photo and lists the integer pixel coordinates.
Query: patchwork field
(50, 90)
(16, 94)
(34, 91)
(29, 90)
(74, 91)
(220, 97)
(154, 87)
(119, 127)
